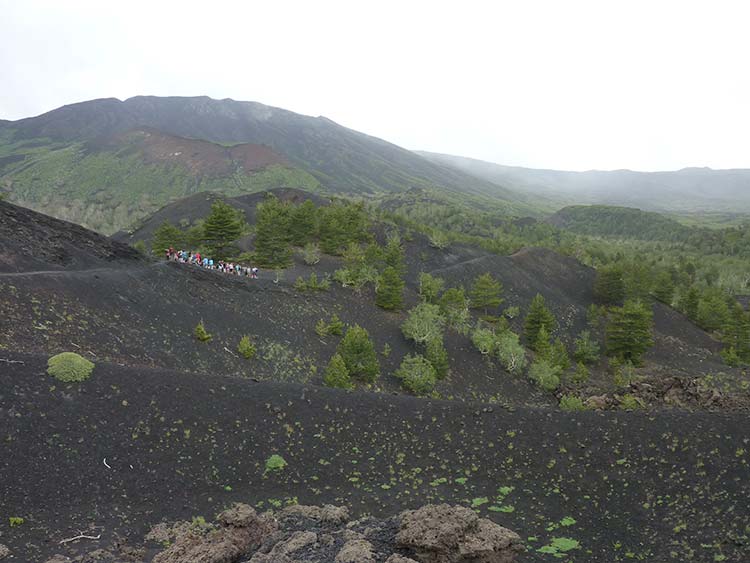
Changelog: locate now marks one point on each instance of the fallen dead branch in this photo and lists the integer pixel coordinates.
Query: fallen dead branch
(80, 536)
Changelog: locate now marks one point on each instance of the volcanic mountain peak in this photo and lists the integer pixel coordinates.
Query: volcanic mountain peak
(341, 159)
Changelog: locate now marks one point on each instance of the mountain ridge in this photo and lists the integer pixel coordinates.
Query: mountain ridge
(688, 189)
(45, 164)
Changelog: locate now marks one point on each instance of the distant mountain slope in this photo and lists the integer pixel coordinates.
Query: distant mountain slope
(109, 182)
(340, 159)
(626, 222)
(686, 190)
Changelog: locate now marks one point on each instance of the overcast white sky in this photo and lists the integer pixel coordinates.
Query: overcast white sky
(568, 84)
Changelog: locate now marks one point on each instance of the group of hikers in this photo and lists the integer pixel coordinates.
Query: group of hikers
(195, 258)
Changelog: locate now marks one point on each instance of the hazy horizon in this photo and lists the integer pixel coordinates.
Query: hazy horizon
(580, 86)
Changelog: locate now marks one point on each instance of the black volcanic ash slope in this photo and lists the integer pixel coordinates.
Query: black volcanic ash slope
(31, 241)
(144, 313)
(651, 486)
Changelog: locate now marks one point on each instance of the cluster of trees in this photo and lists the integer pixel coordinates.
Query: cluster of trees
(710, 307)
(214, 235)
(442, 308)
(383, 266)
(627, 334)
(280, 226)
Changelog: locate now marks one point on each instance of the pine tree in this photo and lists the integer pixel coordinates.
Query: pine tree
(559, 355)
(393, 255)
(359, 355)
(538, 316)
(389, 293)
(737, 332)
(272, 238)
(333, 237)
(166, 236)
(437, 355)
(336, 374)
(629, 331)
(341, 224)
(485, 292)
(586, 348)
(689, 303)
(303, 223)
(221, 228)
(664, 288)
(609, 287)
(430, 287)
(713, 311)
(542, 345)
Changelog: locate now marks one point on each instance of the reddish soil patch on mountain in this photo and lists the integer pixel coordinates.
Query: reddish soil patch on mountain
(199, 157)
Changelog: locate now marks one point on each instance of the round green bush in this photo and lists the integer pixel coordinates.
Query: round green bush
(69, 366)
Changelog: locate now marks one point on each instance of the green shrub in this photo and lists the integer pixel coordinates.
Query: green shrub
(624, 373)
(311, 254)
(484, 340)
(15, 521)
(313, 283)
(430, 287)
(572, 403)
(201, 333)
(629, 402)
(321, 328)
(386, 350)
(581, 375)
(454, 307)
(512, 312)
(140, 246)
(337, 375)
(730, 357)
(586, 348)
(545, 375)
(246, 348)
(559, 355)
(510, 352)
(69, 367)
(424, 323)
(333, 327)
(275, 463)
(417, 374)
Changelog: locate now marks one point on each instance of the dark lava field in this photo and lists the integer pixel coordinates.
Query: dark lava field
(134, 445)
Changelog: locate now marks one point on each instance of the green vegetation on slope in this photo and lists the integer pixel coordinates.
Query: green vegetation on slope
(110, 190)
